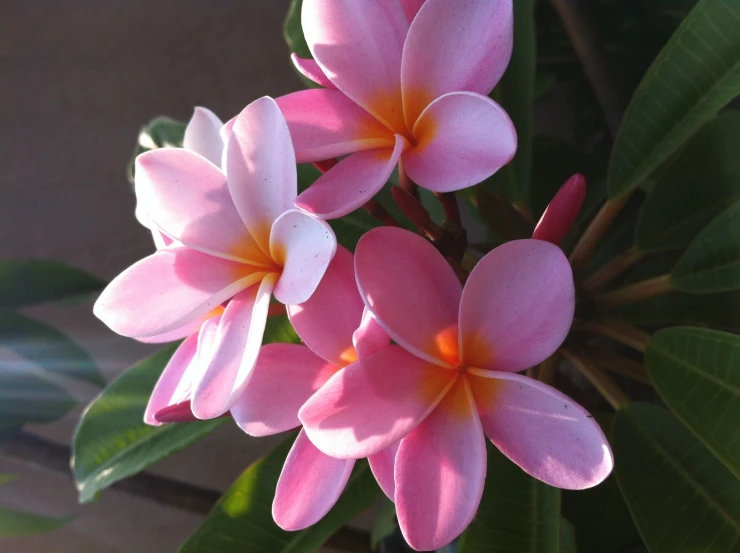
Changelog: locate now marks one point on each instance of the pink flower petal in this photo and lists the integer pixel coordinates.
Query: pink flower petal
(546, 433)
(562, 211)
(381, 464)
(325, 124)
(169, 289)
(440, 472)
(260, 162)
(304, 246)
(203, 135)
(372, 403)
(351, 183)
(359, 46)
(455, 46)
(309, 485)
(284, 377)
(171, 387)
(517, 306)
(462, 139)
(230, 365)
(311, 70)
(327, 320)
(411, 8)
(369, 336)
(411, 290)
(173, 335)
(187, 197)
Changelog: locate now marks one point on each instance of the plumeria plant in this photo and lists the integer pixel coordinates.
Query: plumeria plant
(511, 342)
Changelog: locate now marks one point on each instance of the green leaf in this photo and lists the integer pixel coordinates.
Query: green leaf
(602, 521)
(517, 512)
(45, 346)
(160, 132)
(567, 537)
(34, 281)
(712, 261)
(112, 442)
(279, 329)
(18, 523)
(515, 92)
(5, 478)
(696, 373)
(681, 497)
(720, 310)
(27, 398)
(702, 182)
(385, 524)
(293, 32)
(696, 73)
(241, 522)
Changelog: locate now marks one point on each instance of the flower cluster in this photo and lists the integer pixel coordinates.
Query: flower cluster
(400, 362)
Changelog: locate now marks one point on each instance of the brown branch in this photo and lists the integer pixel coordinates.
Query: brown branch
(623, 333)
(406, 183)
(160, 489)
(613, 269)
(590, 52)
(451, 209)
(598, 378)
(639, 291)
(417, 213)
(621, 365)
(596, 231)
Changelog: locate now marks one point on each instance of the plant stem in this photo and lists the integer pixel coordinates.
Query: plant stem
(451, 209)
(276, 309)
(613, 269)
(417, 213)
(632, 293)
(596, 230)
(548, 368)
(598, 378)
(406, 183)
(376, 209)
(621, 365)
(590, 52)
(623, 333)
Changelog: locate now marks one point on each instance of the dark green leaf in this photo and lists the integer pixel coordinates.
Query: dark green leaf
(517, 512)
(720, 310)
(712, 261)
(241, 522)
(653, 266)
(567, 537)
(293, 32)
(279, 329)
(696, 373)
(681, 497)
(702, 182)
(47, 347)
(5, 478)
(18, 523)
(619, 237)
(33, 281)
(696, 73)
(112, 442)
(27, 398)
(515, 93)
(602, 521)
(385, 524)
(160, 132)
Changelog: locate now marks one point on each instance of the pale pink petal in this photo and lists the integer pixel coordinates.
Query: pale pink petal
(173, 335)
(440, 471)
(411, 290)
(517, 306)
(187, 197)
(226, 132)
(171, 387)
(372, 403)
(170, 289)
(351, 183)
(325, 124)
(462, 139)
(370, 336)
(309, 485)
(234, 352)
(411, 8)
(203, 135)
(359, 47)
(304, 246)
(455, 46)
(381, 464)
(260, 162)
(546, 433)
(311, 70)
(562, 211)
(327, 320)
(284, 377)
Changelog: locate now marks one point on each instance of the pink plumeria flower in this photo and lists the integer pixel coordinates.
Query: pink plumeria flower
(451, 378)
(404, 87)
(336, 333)
(562, 211)
(237, 239)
